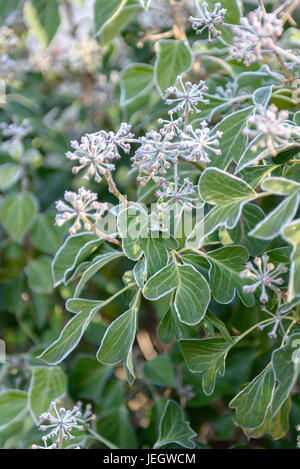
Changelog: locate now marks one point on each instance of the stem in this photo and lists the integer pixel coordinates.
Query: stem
(99, 233)
(103, 440)
(113, 189)
(285, 53)
(244, 334)
(262, 6)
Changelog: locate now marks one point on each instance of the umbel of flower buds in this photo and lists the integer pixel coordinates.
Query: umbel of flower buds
(263, 274)
(96, 151)
(186, 96)
(195, 143)
(256, 32)
(272, 127)
(83, 207)
(209, 19)
(276, 321)
(171, 193)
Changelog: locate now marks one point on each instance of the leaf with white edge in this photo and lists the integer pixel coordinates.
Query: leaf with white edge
(280, 186)
(75, 249)
(42, 18)
(9, 174)
(224, 274)
(98, 262)
(233, 140)
(116, 345)
(276, 220)
(229, 194)
(39, 276)
(261, 96)
(206, 356)
(253, 401)
(17, 213)
(170, 325)
(104, 12)
(192, 292)
(135, 81)
(174, 429)
(216, 323)
(13, 406)
(250, 217)
(286, 367)
(292, 234)
(115, 25)
(71, 334)
(139, 273)
(172, 59)
(47, 384)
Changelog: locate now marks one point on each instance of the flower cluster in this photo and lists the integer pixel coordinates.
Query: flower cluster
(16, 130)
(61, 422)
(96, 151)
(83, 207)
(187, 96)
(272, 127)
(256, 33)
(176, 193)
(8, 40)
(195, 143)
(85, 55)
(209, 19)
(263, 274)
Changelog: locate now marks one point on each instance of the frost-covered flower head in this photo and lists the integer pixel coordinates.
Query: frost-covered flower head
(96, 151)
(186, 96)
(171, 193)
(209, 19)
(196, 143)
(154, 157)
(82, 206)
(16, 130)
(61, 422)
(263, 274)
(272, 126)
(257, 32)
(276, 321)
(171, 128)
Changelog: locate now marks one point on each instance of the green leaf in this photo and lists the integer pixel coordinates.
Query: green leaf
(215, 322)
(160, 371)
(174, 429)
(170, 325)
(253, 401)
(119, 21)
(229, 194)
(250, 217)
(104, 12)
(233, 140)
(136, 80)
(286, 367)
(13, 406)
(39, 275)
(206, 356)
(97, 263)
(44, 235)
(42, 18)
(224, 274)
(9, 174)
(116, 345)
(261, 96)
(88, 378)
(190, 306)
(137, 240)
(47, 384)
(17, 212)
(273, 223)
(71, 334)
(172, 59)
(75, 249)
(292, 234)
(115, 426)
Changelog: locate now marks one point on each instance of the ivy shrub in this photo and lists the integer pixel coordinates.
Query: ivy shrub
(160, 306)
